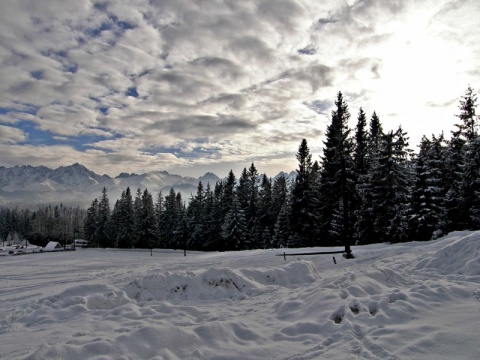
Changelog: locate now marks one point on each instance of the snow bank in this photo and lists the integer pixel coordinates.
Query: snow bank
(461, 256)
(405, 301)
(218, 283)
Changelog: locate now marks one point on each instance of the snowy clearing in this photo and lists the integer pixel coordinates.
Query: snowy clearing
(404, 301)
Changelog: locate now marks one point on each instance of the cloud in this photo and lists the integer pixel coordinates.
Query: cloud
(11, 135)
(121, 85)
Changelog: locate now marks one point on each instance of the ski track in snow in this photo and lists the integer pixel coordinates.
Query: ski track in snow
(404, 301)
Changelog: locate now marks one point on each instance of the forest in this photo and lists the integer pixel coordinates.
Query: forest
(369, 186)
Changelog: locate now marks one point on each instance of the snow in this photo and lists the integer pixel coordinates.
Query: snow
(417, 300)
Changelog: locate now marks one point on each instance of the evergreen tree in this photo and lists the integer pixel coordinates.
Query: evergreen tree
(228, 193)
(90, 227)
(196, 218)
(234, 228)
(386, 191)
(103, 230)
(146, 222)
(216, 216)
(182, 231)
(125, 224)
(364, 218)
(454, 163)
(304, 216)
(428, 219)
(470, 188)
(159, 217)
(282, 212)
(266, 214)
(247, 195)
(337, 179)
(211, 223)
(375, 134)
(282, 230)
(361, 144)
(468, 129)
(170, 219)
(137, 219)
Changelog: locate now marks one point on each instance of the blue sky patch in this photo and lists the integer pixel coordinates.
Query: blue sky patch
(132, 91)
(37, 137)
(38, 74)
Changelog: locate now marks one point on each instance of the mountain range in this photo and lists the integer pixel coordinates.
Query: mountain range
(76, 185)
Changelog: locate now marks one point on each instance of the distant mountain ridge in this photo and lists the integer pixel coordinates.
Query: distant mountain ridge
(76, 185)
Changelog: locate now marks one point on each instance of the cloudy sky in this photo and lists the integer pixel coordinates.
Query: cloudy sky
(190, 86)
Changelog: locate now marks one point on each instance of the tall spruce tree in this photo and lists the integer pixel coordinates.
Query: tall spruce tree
(468, 128)
(387, 190)
(337, 179)
(470, 188)
(159, 218)
(196, 217)
(427, 204)
(361, 144)
(170, 219)
(234, 228)
(125, 220)
(466, 132)
(103, 229)
(266, 213)
(304, 217)
(282, 212)
(147, 225)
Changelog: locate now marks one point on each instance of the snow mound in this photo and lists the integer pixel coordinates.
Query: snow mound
(459, 257)
(218, 283)
(67, 305)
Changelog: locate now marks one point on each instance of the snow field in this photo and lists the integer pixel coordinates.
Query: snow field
(405, 301)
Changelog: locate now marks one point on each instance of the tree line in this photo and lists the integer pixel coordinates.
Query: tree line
(48, 223)
(368, 187)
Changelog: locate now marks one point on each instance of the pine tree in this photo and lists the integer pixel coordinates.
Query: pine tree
(266, 214)
(170, 219)
(146, 223)
(159, 217)
(428, 212)
(361, 144)
(125, 220)
(182, 232)
(468, 129)
(364, 218)
(247, 195)
(281, 212)
(282, 231)
(137, 219)
(454, 163)
(196, 216)
(304, 216)
(103, 230)
(470, 188)
(234, 228)
(211, 216)
(228, 193)
(337, 179)
(385, 194)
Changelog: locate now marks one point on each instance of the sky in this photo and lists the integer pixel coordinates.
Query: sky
(212, 85)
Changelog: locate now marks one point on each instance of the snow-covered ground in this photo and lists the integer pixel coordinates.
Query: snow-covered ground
(404, 301)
